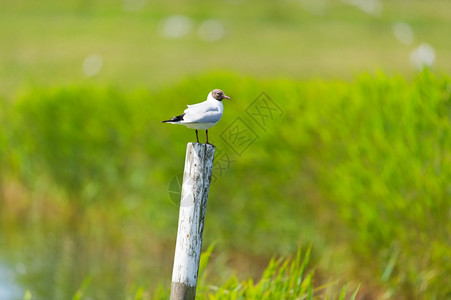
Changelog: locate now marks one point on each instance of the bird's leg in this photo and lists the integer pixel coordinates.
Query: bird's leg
(197, 136)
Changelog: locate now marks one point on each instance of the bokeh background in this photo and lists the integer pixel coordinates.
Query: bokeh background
(144, 43)
(346, 109)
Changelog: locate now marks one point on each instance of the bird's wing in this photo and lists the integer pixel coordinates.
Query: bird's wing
(198, 105)
(209, 117)
(202, 113)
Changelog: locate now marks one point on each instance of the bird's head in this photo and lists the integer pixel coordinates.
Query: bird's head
(219, 95)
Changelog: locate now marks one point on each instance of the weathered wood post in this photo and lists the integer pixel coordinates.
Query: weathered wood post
(193, 205)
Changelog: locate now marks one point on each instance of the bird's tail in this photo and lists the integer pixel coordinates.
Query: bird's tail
(174, 119)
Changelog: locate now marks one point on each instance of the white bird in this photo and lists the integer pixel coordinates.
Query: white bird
(202, 115)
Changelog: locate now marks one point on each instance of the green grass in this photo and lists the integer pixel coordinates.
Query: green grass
(282, 279)
(357, 169)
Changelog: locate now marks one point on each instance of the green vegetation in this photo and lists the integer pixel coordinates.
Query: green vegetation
(282, 279)
(359, 170)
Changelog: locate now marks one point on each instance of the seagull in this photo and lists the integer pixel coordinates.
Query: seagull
(202, 115)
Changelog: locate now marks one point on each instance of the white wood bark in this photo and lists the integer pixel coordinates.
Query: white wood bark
(193, 205)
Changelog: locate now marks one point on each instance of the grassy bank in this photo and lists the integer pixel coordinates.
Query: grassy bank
(357, 169)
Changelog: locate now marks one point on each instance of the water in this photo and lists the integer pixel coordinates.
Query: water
(55, 263)
(9, 289)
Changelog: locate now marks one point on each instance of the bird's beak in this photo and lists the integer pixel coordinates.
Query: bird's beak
(226, 97)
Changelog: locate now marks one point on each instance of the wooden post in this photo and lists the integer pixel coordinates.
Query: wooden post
(193, 205)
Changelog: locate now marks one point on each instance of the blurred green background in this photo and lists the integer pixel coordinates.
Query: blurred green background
(141, 43)
(354, 162)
